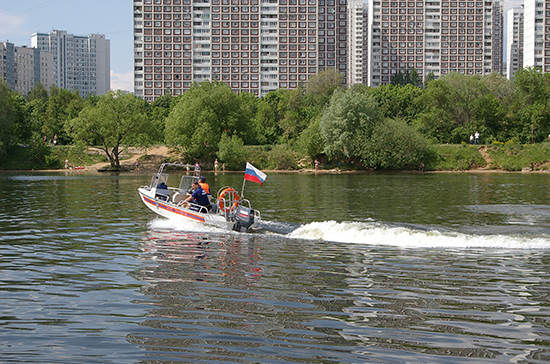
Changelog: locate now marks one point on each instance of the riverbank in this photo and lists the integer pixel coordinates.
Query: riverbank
(498, 157)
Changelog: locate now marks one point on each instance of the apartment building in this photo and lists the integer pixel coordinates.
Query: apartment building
(514, 41)
(434, 36)
(536, 41)
(254, 46)
(7, 63)
(24, 67)
(80, 62)
(357, 42)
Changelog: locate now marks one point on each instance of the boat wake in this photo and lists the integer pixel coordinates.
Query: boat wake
(372, 233)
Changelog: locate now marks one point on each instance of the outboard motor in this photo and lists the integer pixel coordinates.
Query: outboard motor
(244, 219)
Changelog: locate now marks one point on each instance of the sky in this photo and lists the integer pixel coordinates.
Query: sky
(19, 19)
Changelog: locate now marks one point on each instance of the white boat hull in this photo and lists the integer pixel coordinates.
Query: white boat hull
(170, 210)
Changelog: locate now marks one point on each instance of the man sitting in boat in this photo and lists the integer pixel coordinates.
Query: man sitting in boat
(198, 197)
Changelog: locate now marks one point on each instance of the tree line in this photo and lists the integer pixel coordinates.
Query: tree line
(387, 127)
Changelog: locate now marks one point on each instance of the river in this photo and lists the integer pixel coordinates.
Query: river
(349, 268)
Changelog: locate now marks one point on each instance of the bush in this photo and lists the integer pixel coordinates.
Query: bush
(232, 152)
(394, 145)
(282, 157)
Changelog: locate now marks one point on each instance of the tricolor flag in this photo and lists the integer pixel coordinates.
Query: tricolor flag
(254, 174)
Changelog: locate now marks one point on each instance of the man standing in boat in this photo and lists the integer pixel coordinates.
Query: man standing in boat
(204, 185)
(198, 197)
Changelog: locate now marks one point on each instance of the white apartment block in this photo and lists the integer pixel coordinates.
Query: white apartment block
(514, 41)
(7, 63)
(536, 39)
(357, 42)
(436, 36)
(80, 62)
(253, 46)
(24, 67)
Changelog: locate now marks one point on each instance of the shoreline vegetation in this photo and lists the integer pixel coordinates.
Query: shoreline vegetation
(445, 158)
(453, 123)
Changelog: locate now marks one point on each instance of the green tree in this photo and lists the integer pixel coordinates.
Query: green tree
(38, 92)
(232, 152)
(8, 116)
(398, 102)
(394, 145)
(531, 105)
(293, 109)
(61, 107)
(201, 115)
(320, 87)
(118, 120)
(348, 123)
(249, 107)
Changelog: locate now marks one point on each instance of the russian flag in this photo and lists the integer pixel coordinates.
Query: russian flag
(254, 174)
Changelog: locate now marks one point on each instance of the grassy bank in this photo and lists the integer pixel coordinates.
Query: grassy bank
(497, 156)
(47, 157)
(461, 157)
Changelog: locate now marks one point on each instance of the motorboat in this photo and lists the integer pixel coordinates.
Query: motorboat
(227, 210)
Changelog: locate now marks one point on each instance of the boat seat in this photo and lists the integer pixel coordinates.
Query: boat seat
(163, 194)
(178, 197)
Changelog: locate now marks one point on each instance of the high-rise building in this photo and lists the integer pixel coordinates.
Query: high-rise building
(357, 42)
(80, 62)
(438, 36)
(514, 41)
(24, 67)
(254, 46)
(536, 41)
(7, 63)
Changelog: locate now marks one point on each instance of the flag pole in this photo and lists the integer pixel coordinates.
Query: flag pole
(242, 191)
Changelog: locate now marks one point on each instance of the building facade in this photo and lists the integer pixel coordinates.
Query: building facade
(437, 36)
(357, 42)
(24, 67)
(536, 41)
(80, 62)
(254, 46)
(514, 41)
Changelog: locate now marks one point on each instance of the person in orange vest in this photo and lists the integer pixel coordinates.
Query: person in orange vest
(204, 185)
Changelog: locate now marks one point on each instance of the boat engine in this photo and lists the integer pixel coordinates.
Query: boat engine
(244, 219)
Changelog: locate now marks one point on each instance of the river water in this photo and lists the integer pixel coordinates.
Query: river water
(351, 268)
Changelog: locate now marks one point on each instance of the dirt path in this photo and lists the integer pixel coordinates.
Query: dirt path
(150, 159)
(488, 159)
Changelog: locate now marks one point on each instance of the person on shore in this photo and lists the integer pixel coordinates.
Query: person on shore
(137, 165)
(198, 197)
(316, 166)
(216, 165)
(197, 169)
(471, 138)
(55, 139)
(422, 166)
(476, 141)
(66, 163)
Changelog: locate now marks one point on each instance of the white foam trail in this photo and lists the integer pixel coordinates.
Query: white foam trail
(375, 234)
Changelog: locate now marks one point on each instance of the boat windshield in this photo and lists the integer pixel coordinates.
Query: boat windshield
(187, 181)
(158, 179)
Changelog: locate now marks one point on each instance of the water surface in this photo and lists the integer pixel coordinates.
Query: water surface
(384, 268)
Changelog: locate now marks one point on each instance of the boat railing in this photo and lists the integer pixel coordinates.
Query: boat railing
(197, 208)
